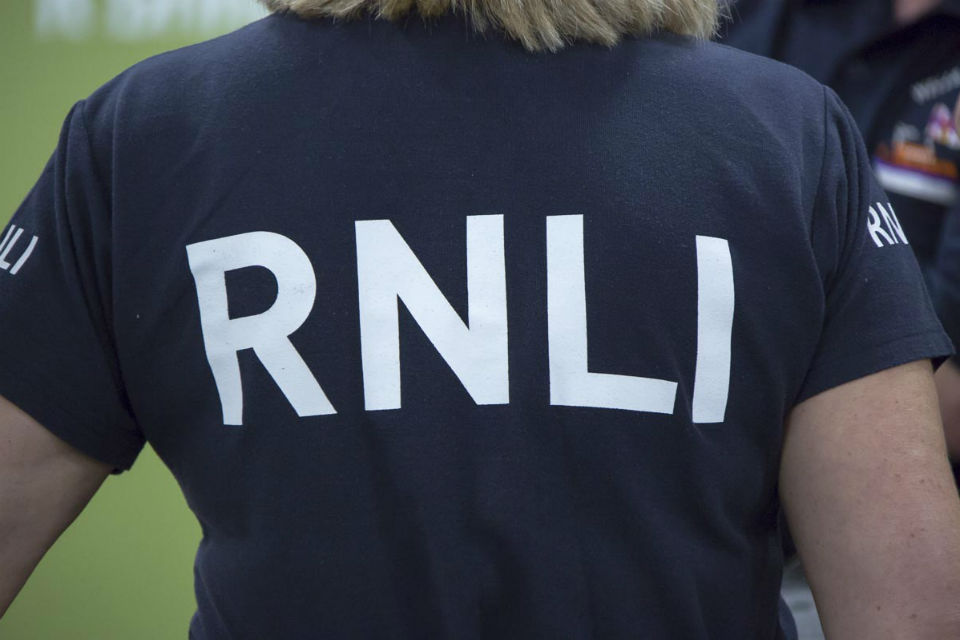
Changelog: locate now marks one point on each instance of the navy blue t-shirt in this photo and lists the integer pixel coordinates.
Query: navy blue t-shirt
(441, 338)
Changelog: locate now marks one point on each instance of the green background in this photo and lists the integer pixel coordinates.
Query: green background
(125, 567)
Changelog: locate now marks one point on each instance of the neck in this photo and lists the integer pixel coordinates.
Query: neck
(907, 11)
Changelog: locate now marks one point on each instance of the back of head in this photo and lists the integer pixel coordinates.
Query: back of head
(538, 24)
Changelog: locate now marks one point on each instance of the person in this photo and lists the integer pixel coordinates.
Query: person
(896, 65)
(646, 300)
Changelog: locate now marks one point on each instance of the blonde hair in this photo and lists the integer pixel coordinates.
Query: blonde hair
(538, 24)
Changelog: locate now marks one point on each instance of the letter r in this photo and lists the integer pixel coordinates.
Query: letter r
(266, 333)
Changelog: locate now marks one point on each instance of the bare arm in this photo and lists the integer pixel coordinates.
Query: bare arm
(873, 508)
(44, 484)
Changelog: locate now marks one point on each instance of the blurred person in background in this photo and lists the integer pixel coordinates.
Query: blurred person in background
(215, 258)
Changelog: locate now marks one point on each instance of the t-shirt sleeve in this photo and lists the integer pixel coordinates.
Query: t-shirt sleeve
(877, 313)
(58, 360)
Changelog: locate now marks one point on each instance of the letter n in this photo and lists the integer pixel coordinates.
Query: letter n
(388, 271)
(892, 222)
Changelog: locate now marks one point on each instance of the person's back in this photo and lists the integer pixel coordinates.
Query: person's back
(445, 339)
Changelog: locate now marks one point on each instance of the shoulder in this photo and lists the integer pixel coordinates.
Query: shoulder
(187, 89)
(730, 92)
(255, 41)
(756, 78)
(183, 77)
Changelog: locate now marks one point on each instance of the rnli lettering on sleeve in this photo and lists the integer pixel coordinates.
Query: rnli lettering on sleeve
(444, 339)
